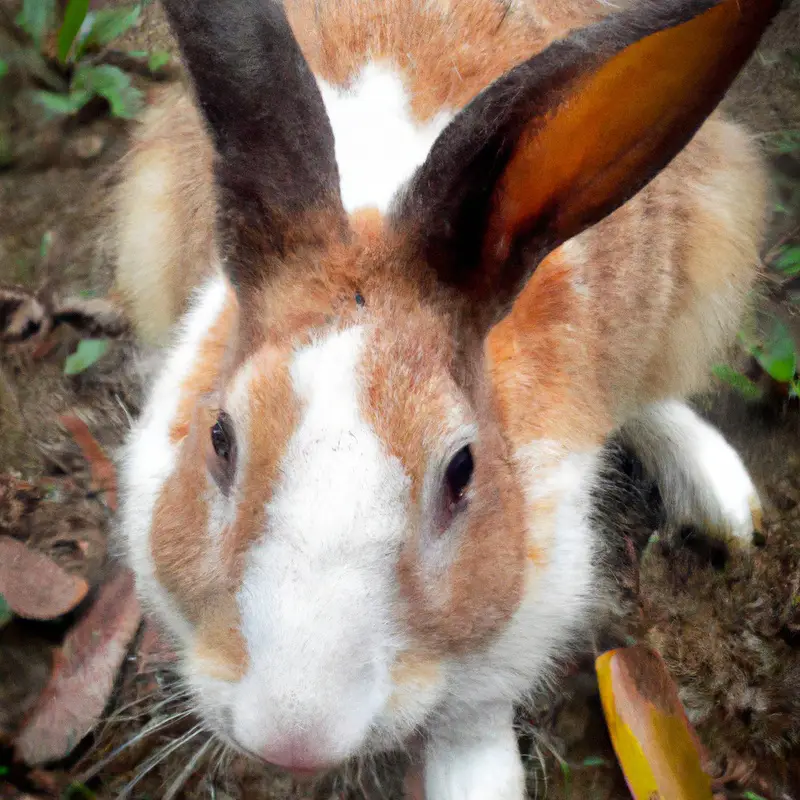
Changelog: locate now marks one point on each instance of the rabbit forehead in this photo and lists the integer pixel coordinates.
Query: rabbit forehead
(338, 483)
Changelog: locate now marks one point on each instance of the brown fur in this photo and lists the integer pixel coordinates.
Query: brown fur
(339, 37)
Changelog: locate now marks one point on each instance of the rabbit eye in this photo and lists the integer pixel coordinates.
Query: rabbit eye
(222, 440)
(222, 437)
(459, 474)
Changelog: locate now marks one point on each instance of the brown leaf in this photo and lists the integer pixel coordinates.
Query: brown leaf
(104, 475)
(34, 586)
(84, 674)
(18, 498)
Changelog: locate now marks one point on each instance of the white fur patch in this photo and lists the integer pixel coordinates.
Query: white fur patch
(701, 478)
(319, 585)
(379, 145)
(477, 762)
(149, 457)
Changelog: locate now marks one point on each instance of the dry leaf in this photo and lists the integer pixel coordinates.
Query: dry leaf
(104, 476)
(18, 498)
(84, 674)
(34, 586)
(655, 744)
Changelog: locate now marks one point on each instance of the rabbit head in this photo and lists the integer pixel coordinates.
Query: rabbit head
(321, 500)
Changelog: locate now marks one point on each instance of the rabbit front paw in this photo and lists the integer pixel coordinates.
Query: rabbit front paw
(478, 760)
(703, 482)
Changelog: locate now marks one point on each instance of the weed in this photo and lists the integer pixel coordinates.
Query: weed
(63, 59)
(5, 612)
(78, 791)
(775, 353)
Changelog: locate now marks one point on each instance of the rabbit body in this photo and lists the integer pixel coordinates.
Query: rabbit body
(362, 493)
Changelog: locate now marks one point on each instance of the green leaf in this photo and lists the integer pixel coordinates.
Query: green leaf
(753, 796)
(157, 60)
(56, 103)
(566, 772)
(107, 24)
(112, 83)
(89, 352)
(788, 261)
(36, 18)
(4, 770)
(594, 761)
(3, 67)
(735, 379)
(777, 355)
(74, 16)
(79, 791)
(5, 612)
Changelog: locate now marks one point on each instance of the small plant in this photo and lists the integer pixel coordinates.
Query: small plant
(788, 261)
(776, 355)
(67, 58)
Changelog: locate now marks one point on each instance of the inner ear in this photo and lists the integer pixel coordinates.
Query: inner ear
(567, 137)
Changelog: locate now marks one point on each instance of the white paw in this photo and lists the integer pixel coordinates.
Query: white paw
(702, 480)
(720, 499)
(476, 764)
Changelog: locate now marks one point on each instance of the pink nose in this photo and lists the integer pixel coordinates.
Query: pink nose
(295, 756)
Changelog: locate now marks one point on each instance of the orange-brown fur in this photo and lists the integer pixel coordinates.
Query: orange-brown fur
(441, 67)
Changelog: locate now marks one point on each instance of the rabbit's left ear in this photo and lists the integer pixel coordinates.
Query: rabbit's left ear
(565, 138)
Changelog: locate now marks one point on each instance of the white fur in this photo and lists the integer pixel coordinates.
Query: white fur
(150, 456)
(318, 587)
(379, 145)
(477, 760)
(701, 478)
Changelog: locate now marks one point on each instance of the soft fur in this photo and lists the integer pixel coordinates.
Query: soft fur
(328, 593)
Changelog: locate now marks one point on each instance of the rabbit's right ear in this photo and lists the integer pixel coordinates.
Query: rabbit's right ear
(275, 168)
(565, 138)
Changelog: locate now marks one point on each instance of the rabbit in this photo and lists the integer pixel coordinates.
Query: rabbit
(434, 254)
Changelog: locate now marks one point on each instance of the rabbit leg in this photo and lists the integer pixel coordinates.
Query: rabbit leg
(475, 759)
(701, 478)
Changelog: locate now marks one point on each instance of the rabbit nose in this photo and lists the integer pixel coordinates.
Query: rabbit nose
(296, 755)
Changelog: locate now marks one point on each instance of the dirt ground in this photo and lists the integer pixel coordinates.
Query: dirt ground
(729, 630)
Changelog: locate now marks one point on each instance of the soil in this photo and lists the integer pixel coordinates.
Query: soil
(728, 628)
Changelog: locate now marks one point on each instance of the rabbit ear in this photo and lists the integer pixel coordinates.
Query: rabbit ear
(275, 166)
(565, 138)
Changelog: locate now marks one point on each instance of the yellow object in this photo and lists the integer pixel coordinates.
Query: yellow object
(655, 745)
